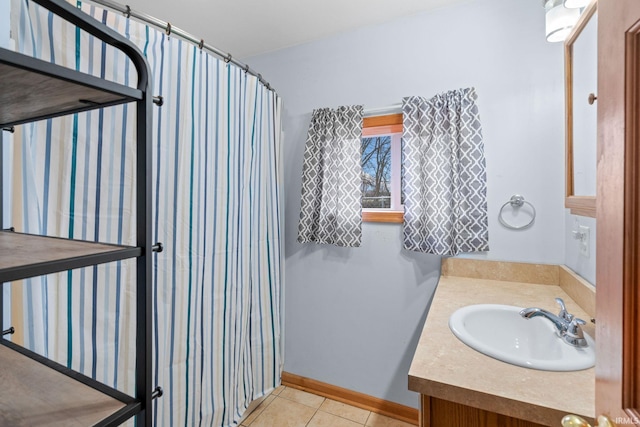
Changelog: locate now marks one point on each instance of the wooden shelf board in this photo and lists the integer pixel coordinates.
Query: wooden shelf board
(28, 255)
(31, 89)
(33, 394)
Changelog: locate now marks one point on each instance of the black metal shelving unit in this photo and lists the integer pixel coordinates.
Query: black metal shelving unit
(31, 90)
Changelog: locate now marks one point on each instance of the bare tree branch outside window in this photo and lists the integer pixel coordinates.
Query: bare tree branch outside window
(376, 172)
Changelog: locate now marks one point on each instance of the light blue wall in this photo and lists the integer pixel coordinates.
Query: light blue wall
(5, 28)
(353, 316)
(5, 15)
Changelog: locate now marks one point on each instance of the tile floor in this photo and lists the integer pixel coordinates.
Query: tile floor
(289, 407)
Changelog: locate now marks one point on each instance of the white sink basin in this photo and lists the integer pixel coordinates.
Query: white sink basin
(500, 332)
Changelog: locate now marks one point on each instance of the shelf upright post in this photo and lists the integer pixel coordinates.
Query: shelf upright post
(1, 225)
(1, 184)
(144, 319)
(143, 194)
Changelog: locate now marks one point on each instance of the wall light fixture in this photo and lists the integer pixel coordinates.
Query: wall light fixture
(572, 4)
(559, 20)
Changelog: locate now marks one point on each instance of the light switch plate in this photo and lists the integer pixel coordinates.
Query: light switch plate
(584, 241)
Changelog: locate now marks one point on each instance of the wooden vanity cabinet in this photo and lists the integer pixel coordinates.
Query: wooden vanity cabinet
(436, 412)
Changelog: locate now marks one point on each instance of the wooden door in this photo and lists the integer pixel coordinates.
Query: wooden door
(618, 213)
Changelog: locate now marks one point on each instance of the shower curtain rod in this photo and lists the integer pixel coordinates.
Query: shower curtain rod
(171, 30)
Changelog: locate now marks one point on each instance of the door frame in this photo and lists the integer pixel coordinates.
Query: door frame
(618, 212)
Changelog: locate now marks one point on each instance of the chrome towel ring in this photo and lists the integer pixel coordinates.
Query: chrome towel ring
(516, 201)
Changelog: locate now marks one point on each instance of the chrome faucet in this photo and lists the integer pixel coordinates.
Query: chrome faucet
(568, 326)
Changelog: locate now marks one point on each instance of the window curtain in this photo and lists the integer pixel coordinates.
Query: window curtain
(331, 176)
(216, 209)
(444, 178)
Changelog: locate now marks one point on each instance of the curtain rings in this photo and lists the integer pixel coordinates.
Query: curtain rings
(201, 44)
(246, 68)
(168, 29)
(516, 201)
(227, 58)
(127, 12)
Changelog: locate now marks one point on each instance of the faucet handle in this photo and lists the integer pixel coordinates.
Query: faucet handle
(574, 335)
(578, 321)
(564, 314)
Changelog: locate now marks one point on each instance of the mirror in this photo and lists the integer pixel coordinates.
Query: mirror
(581, 114)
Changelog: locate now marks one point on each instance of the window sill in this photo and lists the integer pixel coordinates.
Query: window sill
(389, 216)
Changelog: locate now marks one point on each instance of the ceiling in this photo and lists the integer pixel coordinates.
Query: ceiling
(249, 27)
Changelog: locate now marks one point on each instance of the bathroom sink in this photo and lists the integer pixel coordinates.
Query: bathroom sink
(500, 332)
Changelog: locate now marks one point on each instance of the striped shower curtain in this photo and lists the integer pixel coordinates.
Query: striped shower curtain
(217, 285)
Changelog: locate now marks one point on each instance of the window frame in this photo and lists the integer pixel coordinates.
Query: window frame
(390, 124)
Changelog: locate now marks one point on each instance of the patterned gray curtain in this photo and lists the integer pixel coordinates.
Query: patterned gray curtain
(331, 194)
(444, 178)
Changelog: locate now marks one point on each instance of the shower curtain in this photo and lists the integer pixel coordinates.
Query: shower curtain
(216, 209)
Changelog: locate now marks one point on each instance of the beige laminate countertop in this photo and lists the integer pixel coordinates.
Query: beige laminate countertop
(445, 368)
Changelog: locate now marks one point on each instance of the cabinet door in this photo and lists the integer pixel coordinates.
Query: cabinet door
(618, 212)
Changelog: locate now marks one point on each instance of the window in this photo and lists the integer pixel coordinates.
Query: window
(381, 169)
(376, 172)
